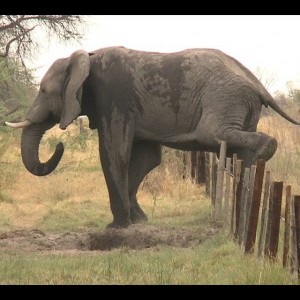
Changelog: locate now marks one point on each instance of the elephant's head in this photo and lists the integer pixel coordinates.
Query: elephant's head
(58, 101)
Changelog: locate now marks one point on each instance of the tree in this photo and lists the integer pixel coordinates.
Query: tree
(294, 95)
(266, 79)
(293, 91)
(16, 92)
(18, 41)
(16, 32)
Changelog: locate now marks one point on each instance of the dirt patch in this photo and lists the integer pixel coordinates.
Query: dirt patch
(137, 236)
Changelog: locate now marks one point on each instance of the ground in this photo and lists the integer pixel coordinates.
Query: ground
(136, 236)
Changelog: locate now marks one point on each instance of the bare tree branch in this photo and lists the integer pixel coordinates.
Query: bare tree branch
(266, 78)
(12, 24)
(5, 54)
(17, 37)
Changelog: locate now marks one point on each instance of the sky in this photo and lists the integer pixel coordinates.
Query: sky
(268, 42)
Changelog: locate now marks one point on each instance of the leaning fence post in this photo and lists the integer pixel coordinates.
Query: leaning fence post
(297, 223)
(249, 200)
(220, 179)
(214, 167)
(243, 210)
(269, 219)
(194, 166)
(254, 210)
(275, 221)
(239, 186)
(287, 224)
(185, 164)
(207, 173)
(234, 182)
(227, 190)
(294, 250)
(263, 221)
(200, 167)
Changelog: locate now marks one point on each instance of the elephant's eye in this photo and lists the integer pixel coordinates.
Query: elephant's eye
(43, 90)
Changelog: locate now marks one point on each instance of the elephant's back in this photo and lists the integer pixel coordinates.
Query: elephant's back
(166, 72)
(218, 62)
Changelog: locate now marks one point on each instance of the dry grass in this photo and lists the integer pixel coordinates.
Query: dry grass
(285, 164)
(78, 186)
(26, 200)
(75, 198)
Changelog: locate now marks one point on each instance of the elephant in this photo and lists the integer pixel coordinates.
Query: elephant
(140, 101)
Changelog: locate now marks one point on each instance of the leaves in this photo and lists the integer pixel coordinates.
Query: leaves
(15, 91)
(17, 38)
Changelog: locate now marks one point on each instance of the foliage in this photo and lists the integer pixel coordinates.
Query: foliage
(294, 95)
(7, 168)
(17, 37)
(16, 93)
(266, 78)
(74, 198)
(18, 41)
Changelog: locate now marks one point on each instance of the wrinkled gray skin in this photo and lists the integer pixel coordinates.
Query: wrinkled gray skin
(138, 101)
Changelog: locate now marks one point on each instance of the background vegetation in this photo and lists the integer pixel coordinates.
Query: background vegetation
(79, 202)
(74, 197)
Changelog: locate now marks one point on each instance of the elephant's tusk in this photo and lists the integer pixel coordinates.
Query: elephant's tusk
(22, 124)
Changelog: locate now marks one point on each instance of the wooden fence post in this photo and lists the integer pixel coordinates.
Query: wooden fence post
(249, 201)
(254, 210)
(207, 173)
(294, 250)
(214, 167)
(243, 210)
(194, 166)
(227, 190)
(239, 188)
(269, 220)
(234, 182)
(220, 180)
(297, 223)
(185, 164)
(263, 220)
(275, 221)
(201, 167)
(198, 166)
(287, 226)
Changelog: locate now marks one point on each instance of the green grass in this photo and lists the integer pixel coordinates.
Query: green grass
(75, 198)
(68, 215)
(217, 261)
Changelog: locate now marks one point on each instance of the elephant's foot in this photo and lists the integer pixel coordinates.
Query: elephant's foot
(121, 220)
(266, 148)
(137, 215)
(119, 224)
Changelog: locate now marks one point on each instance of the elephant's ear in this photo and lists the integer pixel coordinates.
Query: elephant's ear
(77, 71)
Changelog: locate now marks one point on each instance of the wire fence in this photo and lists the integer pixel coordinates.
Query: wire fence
(246, 202)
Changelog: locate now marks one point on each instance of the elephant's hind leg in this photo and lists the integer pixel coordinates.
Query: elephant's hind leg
(265, 148)
(250, 146)
(145, 156)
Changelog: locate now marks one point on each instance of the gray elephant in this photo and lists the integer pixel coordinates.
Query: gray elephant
(139, 101)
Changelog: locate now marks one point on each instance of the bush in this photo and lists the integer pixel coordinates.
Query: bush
(16, 90)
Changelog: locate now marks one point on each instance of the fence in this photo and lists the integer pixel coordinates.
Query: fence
(250, 206)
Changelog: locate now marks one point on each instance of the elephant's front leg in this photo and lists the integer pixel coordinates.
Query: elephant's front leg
(145, 156)
(115, 148)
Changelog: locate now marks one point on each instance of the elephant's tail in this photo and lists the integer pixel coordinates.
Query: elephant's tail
(267, 99)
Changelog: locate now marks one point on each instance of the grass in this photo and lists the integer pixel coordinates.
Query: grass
(75, 198)
(217, 261)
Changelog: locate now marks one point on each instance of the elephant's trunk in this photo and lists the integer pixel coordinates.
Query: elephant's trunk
(31, 137)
